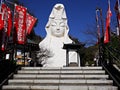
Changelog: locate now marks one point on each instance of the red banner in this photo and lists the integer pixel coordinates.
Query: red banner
(1, 21)
(107, 32)
(5, 29)
(30, 22)
(20, 24)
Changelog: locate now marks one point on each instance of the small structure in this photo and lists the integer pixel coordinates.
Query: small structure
(72, 47)
(21, 53)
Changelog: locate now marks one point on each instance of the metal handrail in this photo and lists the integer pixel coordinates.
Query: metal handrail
(110, 74)
(9, 76)
(107, 67)
(114, 50)
(112, 55)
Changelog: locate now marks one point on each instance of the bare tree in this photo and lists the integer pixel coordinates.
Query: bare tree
(92, 32)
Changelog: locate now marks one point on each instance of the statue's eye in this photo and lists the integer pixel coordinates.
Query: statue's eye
(53, 24)
(62, 24)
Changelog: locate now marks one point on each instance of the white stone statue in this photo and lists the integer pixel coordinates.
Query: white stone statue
(57, 35)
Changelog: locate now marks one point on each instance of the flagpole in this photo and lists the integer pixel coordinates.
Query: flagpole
(118, 20)
(98, 32)
(102, 24)
(117, 16)
(117, 11)
(101, 45)
(13, 32)
(102, 39)
(98, 35)
(25, 42)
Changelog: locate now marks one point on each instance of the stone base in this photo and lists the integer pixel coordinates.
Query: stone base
(73, 64)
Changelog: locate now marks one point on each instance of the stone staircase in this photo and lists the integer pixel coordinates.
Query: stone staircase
(65, 78)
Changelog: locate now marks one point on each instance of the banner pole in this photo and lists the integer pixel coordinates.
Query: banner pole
(13, 33)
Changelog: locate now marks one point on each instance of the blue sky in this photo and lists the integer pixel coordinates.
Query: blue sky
(80, 13)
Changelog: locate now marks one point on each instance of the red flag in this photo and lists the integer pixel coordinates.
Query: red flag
(5, 29)
(107, 32)
(5, 16)
(30, 23)
(1, 21)
(20, 24)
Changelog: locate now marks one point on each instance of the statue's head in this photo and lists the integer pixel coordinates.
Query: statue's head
(57, 24)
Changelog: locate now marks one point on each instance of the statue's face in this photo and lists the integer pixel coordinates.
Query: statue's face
(58, 28)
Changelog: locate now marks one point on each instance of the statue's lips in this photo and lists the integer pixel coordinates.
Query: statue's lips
(57, 31)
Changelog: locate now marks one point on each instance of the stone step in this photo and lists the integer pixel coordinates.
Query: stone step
(61, 72)
(61, 68)
(87, 88)
(25, 76)
(60, 87)
(70, 78)
(59, 82)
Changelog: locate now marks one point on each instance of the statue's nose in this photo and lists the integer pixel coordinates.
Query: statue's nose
(58, 27)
